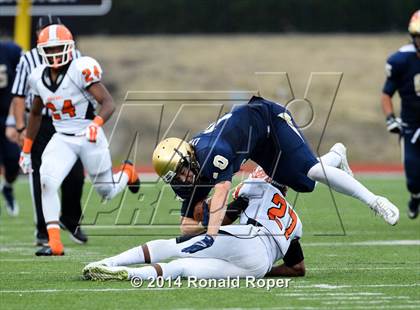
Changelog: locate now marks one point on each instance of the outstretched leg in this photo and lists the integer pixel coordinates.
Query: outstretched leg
(201, 268)
(326, 172)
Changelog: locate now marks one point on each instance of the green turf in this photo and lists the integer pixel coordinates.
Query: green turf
(344, 270)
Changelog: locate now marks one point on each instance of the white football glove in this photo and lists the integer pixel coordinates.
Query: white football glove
(394, 124)
(25, 162)
(91, 132)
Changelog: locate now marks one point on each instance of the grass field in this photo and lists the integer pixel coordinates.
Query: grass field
(369, 265)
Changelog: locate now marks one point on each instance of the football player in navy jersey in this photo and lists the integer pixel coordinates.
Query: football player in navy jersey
(266, 133)
(9, 152)
(403, 75)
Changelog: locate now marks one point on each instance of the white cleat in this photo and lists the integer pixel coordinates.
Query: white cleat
(341, 151)
(386, 209)
(103, 273)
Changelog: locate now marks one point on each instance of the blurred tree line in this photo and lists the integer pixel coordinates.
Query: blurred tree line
(224, 16)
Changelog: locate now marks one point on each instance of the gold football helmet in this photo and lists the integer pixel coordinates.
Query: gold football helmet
(414, 28)
(414, 25)
(170, 155)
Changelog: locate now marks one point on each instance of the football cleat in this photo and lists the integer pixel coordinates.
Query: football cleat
(386, 209)
(88, 267)
(46, 251)
(41, 238)
(413, 208)
(341, 151)
(103, 273)
(133, 179)
(76, 234)
(12, 207)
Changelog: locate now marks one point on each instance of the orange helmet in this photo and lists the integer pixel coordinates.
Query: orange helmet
(55, 36)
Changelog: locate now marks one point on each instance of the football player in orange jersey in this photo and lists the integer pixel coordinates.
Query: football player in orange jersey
(71, 89)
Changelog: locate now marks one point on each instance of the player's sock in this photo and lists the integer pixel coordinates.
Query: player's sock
(152, 252)
(341, 182)
(129, 257)
(54, 242)
(50, 199)
(331, 159)
(171, 270)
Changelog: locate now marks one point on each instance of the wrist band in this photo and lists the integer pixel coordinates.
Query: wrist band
(27, 145)
(98, 120)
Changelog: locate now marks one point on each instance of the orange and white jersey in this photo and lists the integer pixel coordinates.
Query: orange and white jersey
(72, 106)
(268, 207)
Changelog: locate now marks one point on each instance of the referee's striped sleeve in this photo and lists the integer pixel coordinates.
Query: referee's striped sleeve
(19, 87)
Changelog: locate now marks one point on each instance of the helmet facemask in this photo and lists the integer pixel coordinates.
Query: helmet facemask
(186, 166)
(416, 41)
(56, 59)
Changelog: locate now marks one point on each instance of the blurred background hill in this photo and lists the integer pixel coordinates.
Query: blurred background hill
(219, 45)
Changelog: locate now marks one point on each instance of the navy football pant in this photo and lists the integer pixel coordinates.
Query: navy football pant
(9, 156)
(412, 159)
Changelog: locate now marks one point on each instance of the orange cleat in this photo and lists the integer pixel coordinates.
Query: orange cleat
(54, 244)
(133, 179)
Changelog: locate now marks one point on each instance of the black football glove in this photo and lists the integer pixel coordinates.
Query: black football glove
(393, 124)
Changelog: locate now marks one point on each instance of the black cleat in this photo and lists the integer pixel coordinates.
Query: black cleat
(11, 205)
(76, 233)
(133, 185)
(413, 208)
(46, 251)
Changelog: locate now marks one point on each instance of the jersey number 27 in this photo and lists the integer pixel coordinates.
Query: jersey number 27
(276, 213)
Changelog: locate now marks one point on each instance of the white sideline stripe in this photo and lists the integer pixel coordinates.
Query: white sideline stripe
(53, 290)
(326, 286)
(364, 243)
(363, 268)
(331, 294)
(329, 286)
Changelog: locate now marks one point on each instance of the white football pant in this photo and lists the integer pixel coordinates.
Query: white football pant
(59, 157)
(244, 251)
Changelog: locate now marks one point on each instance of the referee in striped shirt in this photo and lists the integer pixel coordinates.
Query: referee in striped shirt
(71, 189)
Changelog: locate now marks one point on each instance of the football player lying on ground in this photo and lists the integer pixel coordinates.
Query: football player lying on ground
(266, 133)
(70, 88)
(269, 230)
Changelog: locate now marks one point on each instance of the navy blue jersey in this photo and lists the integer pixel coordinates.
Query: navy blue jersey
(9, 59)
(403, 75)
(244, 133)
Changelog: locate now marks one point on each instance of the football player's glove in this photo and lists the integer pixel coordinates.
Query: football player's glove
(199, 245)
(393, 124)
(25, 162)
(91, 132)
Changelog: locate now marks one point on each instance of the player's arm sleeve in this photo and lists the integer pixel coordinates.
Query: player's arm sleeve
(393, 68)
(20, 84)
(89, 71)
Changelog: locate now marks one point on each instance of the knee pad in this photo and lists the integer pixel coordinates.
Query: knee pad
(49, 184)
